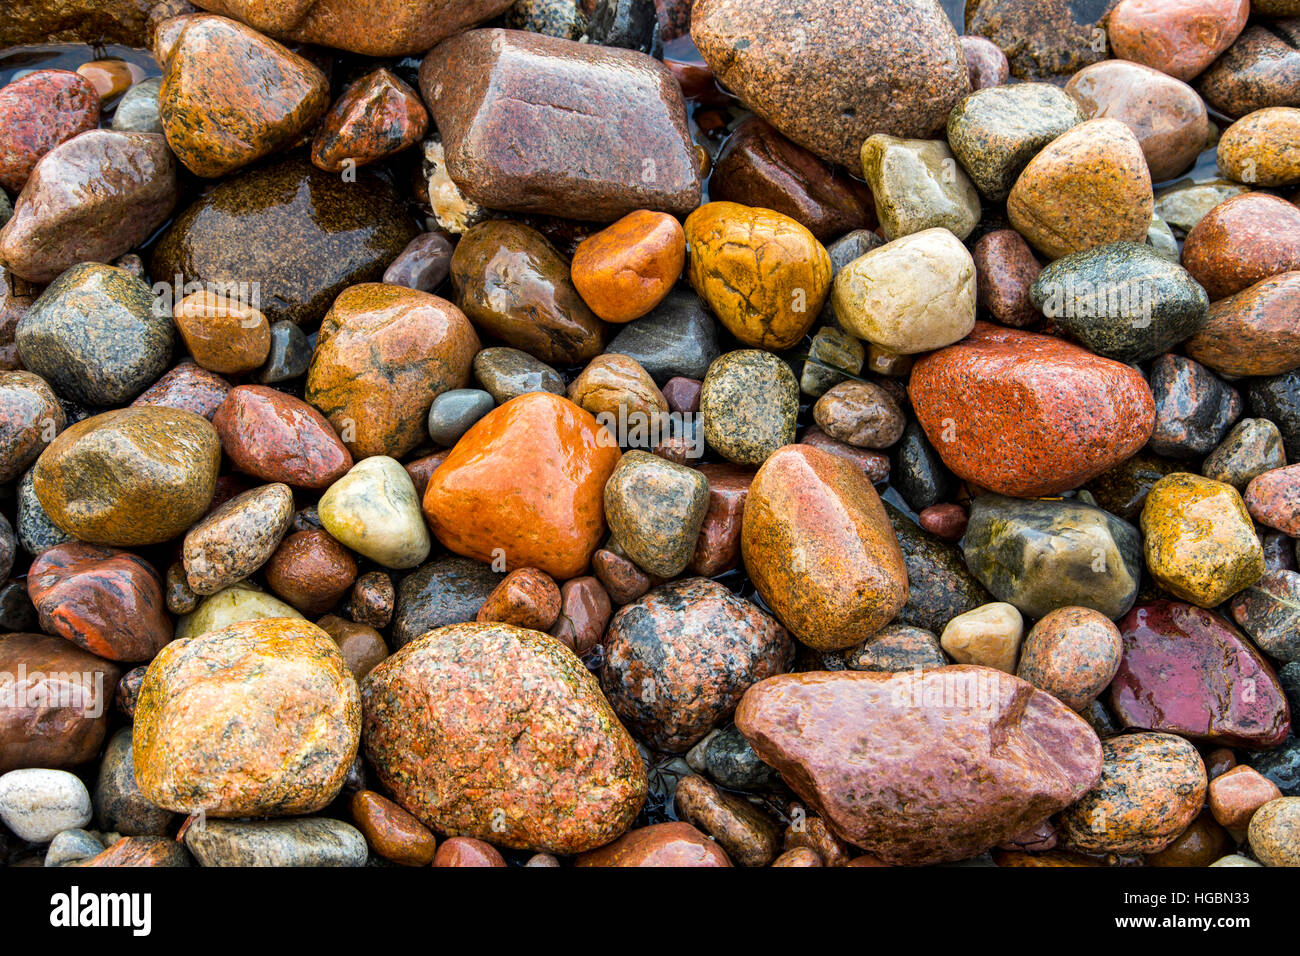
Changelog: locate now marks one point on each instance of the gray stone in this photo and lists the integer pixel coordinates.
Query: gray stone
(727, 758)
(137, 110)
(749, 404)
(507, 373)
(452, 413)
(71, 846)
(37, 804)
(289, 356)
(36, 532)
(447, 591)
(679, 337)
(119, 805)
(1253, 447)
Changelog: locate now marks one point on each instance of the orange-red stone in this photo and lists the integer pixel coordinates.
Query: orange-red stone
(626, 269)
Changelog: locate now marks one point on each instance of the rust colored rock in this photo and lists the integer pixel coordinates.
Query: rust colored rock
(422, 469)
(362, 647)
(105, 601)
(749, 836)
(922, 768)
(759, 167)
(55, 701)
(1072, 653)
(1028, 415)
(1180, 38)
(873, 464)
(1234, 796)
(230, 96)
(375, 117)
(188, 388)
(660, 844)
(820, 549)
(717, 549)
(622, 579)
(1260, 69)
(467, 851)
(584, 613)
(799, 856)
(533, 123)
(1254, 332)
(498, 732)
(1005, 268)
(1203, 842)
(311, 571)
(1242, 241)
(135, 851)
(373, 599)
(276, 437)
(223, 334)
(810, 831)
(477, 506)
(383, 354)
(1273, 499)
(525, 597)
(392, 832)
(37, 113)
(626, 269)
(261, 718)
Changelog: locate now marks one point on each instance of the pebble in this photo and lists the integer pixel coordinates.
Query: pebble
(376, 116)
(307, 841)
(1269, 611)
(452, 413)
(1234, 796)
(989, 636)
(1194, 409)
(189, 388)
(525, 597)
(507, 373)
(1005, 270)
(392, 832)
(30, 417)
(288, 355)
(1273, 832)
(745, 834)
(119, 805)
(311, 571)
(223, 335)
(72, 846)
(1253, 332)
(111, 78)
(1259, 149)
(232, 605)
(727, 759)
(622, 396)
(1186, 202)
(940, 586)
(38, 804)
(818, 547)
(861, 414)
(682, 394)
(749, 403)
(1179, 38)
(373, 599)
(1242, 241)
(833, 356)
(986, 64)
(626, 269)
(143, 851)
(374, 510)
(1277, 398)
(678, 338)
(655, 510)
(678, 660)
(896, 647)
(362, 647)
(717, 549)
(237, 538)
(585, 610)
(37, 113)
(1273, 499)
(468, 852)
(1253, 447)
(1203, 842)
(763, 274)
(577, 784)
(918, 185)
(871, 463)
(139, 111)
(424, 264)
(622, 579)
(1071, 653)
(446, 591)
(36, 532)
(276, 437)
(1260, 69)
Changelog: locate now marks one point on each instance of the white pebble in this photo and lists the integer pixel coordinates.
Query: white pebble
(38, 804)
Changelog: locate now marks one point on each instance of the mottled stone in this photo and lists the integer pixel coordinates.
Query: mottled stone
(1005, 270)
(37, 113)
(467, 852)
(745, 833)
(940, 586)
(119, 805)
(189, 388)
(276, 437)
(622, 396)
(308, 841)
(626, 269)
(373, 599)
(138, 110)
(391, 831)
(749, 404)
(36, 804)
(896, 647)
(678, 338)
(674, 844)
(833, 355)
(1072, 653)
(1259, 149)
(71, 846)
(1260, 69)
(142, 851)
(871, 463)
(1234, 796)
(223, 334)
(726, 757)
(1242, 241)
(621, 578)
(376, 116)
(1275, 832)
(1273, 499)
(1043, 39)
(1269, 611)
(36, 532)
(311, 571)
(237, 538)
(1277, 398)
(30, 417)
(1186, 202)
(1180, 38)
(655, 510)
(1255, 332)
(917, 185)
(525, 598)
(374, 510)
(861, 414)
(443, 592)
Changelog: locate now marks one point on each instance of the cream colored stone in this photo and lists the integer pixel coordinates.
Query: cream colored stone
(918, 185)
(374, 510)
(989, 635)
(239, 602)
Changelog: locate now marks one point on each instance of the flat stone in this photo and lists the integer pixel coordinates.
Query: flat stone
(896, 647)
(312, 841)
(745, 833)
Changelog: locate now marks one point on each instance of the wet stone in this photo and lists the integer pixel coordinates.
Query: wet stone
(831, 354)
(373, 599)
(38, 112)
(727, 758)
(749, 403)
(677, 338)
(655, 510)
(917, 185)
(376, 116)
(1005, 270)
(1194, 408)
(288, 355)
(1269, 611)
(1260, 69)
(308, 841)
(1253, 447)
(119, 805)
(1072, 653)
(749, 836)
(940, 586)
(525, 597)
(188, 388)
(897, 647)
(446, 591)
(423, 264)
(138, 110)
(507, 373)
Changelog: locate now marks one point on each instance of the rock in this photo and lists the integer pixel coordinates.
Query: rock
(30, 417)
(1273, 499)
(93, 334)
(1203, 842)
(584, 614)
(896, 647)
(72, 846)
(749, 404)
(373, 599)
(1188, 672)
(1260, 69)
(138, 111)
(304, 233)
(233, 605)
(1181, 38)
(443, 592)
(362, 647)
(1185, 203)
(276, 437)
(1023, 756)
(986, 65)
(1072, 653)
(789, 66)
(989, 636)
(1253, 447)
(1258, 148)
(996, 132)
(655, 511)
(745, 833)
(917, 186)
(912, 295)
(374, 510)
(142, 851)
(383, 354)
(309, 841)
(678, 660)
(452, 413)
(1273, 832)
(728, 759)
(673, 844)
(1028, 415)
(1281, 765)
(860, 413)
(1269, 611)
(261, 718)
(622, 579)
(237, 538)
(394, 833)
(1236, 795)
(946, 521)
(515, 740)
(1122, 300)
(591, 132)
(818, 547)
(1242, 241)
(376, 116)
(1152, 786)
(1200, 544)
(223, 335)
(37, 804)
(230, 96)
(468, 852)
(557, 18)
(423, 264)
(1254, 332)
(546, 318)
(188, 388)
(105, 601)
(525, 598)
(1088, 187)
(757, 166)
(507, 373)
(622, 396)
(940, 586)
(717, 550)
(763, 274)
(1277, 399)
(831, 354)
(120, 807)
(678, 338)
(626, 269)
(476, 508)
(872, 464)
(37, 113)
(36, 532)
(129, 476)
(1043, 39)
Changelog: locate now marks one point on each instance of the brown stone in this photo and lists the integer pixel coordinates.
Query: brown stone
(223, 334)
(373, 599)
(1203, 842)
(311, 571)
(749, 836)
(392, 832)
(1254, 332)
(467, 851)
(622, 579)
(1005, 268)
(617, 390)
(660, 844)
(626, 269)
(1237, 794)
(873, 464)
(584, 612)
(1242, 241)
(362, 647)
(1260, 149)
(30, 417)
(38, 112)
(799, 856)
(717, 550)
(1177, 37)
(861, 414)
(1260, 69)
(1273, 499)
(375, 117)
(276, 437)
(526, 597)
(136, 851)
(1043, 39)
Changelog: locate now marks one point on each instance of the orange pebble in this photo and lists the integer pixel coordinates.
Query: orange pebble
(625, 270)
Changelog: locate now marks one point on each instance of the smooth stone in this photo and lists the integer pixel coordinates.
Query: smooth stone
(119, 805)
(623, 397)
(920, 476)
(1280, 765)
(1260, 69)
(139, 111)
(896, 647)
(376, 116)
(442, 592)
(525, 598)
(844, 250)
(655, 510)
(677, 338)
(986, 64)
(237, 538)
(311, 571)
(189, 388)
(310, 841)
(1073, 654)
(30, 417)
(1269, 611)
(1179, 38)
(1043, 39)
(918, 185)
(288, 355)
(585, 610)
(726, 758)
(994, 133)
(621, 578)
(672, 844)
(142, 851)
(38, 112)
(1273, 499)
(1274, 831)
(1194, 409)
(1255, 332)
(72, 846)
(391, 831)
(36, 532)
(362, 647)
(507, 373)
(873, 464)
(423, 264)
(749, 404)
(1277, 398)
(626, 269)
(940, 586)
(222, 334)
(94, 335)
(1253, 447)
(452, 413)
(1005, 270)
(276, 437)
(745, 833)
(374, 510)
(1235, 795)
(861, 414)
(1259, 149)
(233, 605)
(38, 804)
(1186, 202)
(989, 636)
(833, 356)
(717, 550)
(1242, 241)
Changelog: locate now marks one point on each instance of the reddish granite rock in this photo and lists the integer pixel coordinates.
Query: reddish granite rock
(261, 718)
(1242, 241)
(1236, 794)
(718, 548)
(873, 464)
(759, 167)
(105, 601)
(1189, 672)
(1255, 332)
(276, 437)
(467, 851)
(626, 269)
(383, 354)
(230, 96)
(1072, 653)
(1274, 499)
(1260, 69)
(55, 702)
(136, 851)
(1027, 415)
(525, 597)
(747, 834)
(477, 506)
(682, 394)
(37, 113)
(678, 660)
(1177, 37)
(311, 571)
(1005, 268)
(622, 579)
(392, 832)
(1152, 786)
(498, 732)
(30, 417)
(584, 612)
(986, 64)
(674, 844)
(819, 548)
(373, 599)
(376, 116)
(922, 767)
(422, 469)
(189, 388)
(532, 123)
(946, 521)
